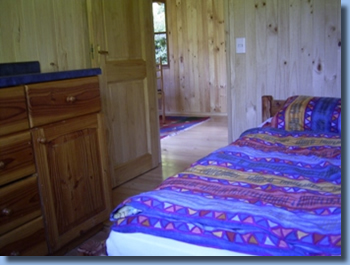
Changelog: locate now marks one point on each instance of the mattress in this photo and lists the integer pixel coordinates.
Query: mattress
(138, 244)
(271, 192)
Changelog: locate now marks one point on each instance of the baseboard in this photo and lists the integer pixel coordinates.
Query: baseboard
(205, 114)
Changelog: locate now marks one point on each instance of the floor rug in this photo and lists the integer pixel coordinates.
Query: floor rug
(176, 124)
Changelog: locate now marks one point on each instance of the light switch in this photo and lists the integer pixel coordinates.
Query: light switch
(240, 45)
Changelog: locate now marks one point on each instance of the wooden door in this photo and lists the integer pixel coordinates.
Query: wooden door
(75, 188)
(121, 33)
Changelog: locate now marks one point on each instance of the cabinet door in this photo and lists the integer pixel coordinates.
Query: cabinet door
(74, 182)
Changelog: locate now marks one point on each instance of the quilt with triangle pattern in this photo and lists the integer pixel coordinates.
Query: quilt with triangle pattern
(269, 193)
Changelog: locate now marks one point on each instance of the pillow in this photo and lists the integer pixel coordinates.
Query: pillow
(306, 113)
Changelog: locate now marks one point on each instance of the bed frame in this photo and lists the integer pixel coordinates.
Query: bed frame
(270, 106)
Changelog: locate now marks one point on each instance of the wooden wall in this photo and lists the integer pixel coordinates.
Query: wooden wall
(53, 32)
(196, 81)
(292, 47)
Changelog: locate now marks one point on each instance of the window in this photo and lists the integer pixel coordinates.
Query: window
(160, 32)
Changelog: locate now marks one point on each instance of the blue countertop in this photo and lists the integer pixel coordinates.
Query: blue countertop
(25, 79)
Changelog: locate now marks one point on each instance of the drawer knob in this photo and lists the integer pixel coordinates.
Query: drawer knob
(71, 99)
(2, 164)
(42, 140)
(6, 212)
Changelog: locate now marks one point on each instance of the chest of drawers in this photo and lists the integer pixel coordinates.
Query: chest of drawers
(54, 181)
(21, 220)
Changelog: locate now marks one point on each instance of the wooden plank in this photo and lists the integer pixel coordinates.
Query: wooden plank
(171, 73)
(194, 36)
(8, 18)
(27, 48)
(261, 51)
(319, 36)
(53, 32)
(221, 66)
(332, 37)
(45, 34)
(197, 75)
(337, 92)
(249, 106)
(210, 61)
(202, 61)
(306, 48)
(294, 38)
(284, 63)
(230, 58)
(73, 49)
(240, 83)
(9, 34)
(272, 34)
(126, 70)
(187, 50)
(181, 21)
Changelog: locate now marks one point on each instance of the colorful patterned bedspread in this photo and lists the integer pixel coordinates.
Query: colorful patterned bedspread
(271, 192)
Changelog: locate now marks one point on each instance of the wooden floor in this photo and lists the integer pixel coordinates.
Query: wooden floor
(178, 153)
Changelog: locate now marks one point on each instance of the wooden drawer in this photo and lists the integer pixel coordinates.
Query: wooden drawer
(13, 110)
(26, 240)
(16, 157)
(54, 101)
(19, 203)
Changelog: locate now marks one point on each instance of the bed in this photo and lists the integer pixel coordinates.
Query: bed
(275, 191)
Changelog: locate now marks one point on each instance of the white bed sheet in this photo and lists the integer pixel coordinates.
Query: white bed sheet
(138, 244)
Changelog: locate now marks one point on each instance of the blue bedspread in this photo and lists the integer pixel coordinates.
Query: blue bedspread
(271, 192)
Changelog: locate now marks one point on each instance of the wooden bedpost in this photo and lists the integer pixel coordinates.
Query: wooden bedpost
(266, 107)
(270, 106)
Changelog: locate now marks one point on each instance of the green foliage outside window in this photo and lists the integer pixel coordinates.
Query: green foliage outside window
(160, 36)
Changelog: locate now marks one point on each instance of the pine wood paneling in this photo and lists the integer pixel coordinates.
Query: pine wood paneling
(55, 33)
(292, 47)
(195, 82)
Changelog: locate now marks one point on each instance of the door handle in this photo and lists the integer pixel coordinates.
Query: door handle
(103, 52)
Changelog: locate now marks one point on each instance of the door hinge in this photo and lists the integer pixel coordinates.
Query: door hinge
(92, 51)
